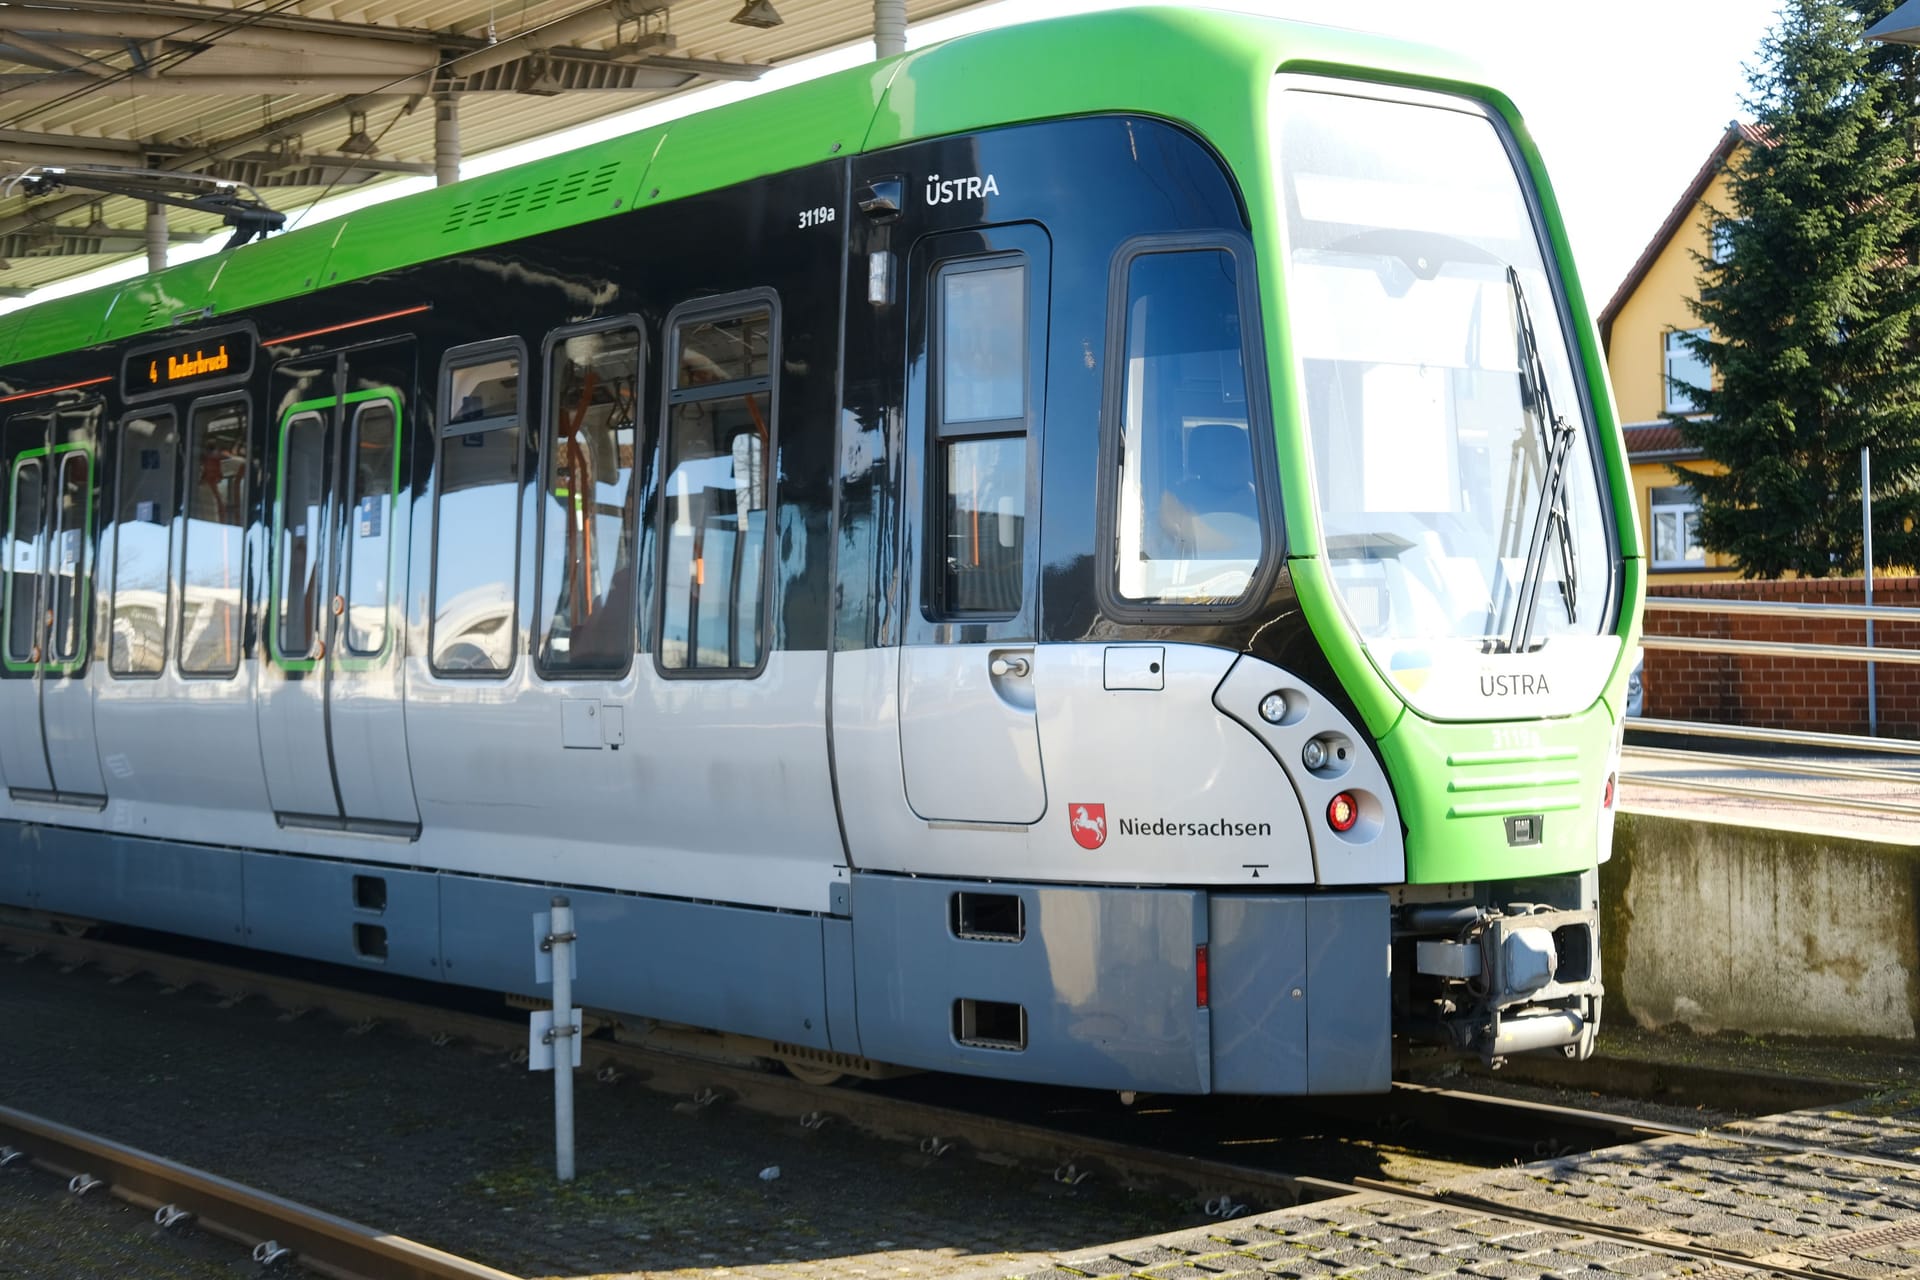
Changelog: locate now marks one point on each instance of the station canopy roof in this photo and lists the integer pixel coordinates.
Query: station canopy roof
(299, 99)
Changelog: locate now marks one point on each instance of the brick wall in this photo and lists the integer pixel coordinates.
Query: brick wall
(1784, 693)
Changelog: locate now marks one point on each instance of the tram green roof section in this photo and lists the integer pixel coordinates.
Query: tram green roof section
(1208, 70)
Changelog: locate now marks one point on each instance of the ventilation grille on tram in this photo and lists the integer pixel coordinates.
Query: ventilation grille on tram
(531, 197)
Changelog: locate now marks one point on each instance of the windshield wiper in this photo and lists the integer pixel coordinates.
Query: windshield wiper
(1556, 437)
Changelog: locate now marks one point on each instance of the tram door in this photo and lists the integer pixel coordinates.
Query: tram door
(332, 724)
(977, 338)
(47, 749)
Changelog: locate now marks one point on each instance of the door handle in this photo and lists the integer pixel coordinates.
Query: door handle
(1009, 666)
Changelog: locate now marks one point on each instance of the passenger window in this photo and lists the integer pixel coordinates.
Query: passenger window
(149, 478)
(587, 501)
(25, 550)
(719, 441)
(370, 518)
(980, 437)
(1189, 512)
(303, 534)
(477, 516)
(213, 540)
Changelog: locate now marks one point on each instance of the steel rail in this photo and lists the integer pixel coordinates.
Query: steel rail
(1818, 801)
(900, 1118)
(321, 1241)
(1789, 737)
(1781, 649)
(937, 1129)
(1768, 764)
(1782, 609)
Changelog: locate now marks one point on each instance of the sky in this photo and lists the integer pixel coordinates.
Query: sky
(1625, 100)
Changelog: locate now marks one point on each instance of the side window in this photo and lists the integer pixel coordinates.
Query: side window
(717, 449)
(476, 513)
(587, 507)
(144, 507)
(213, 539)
(979, 437)
(1188, 511)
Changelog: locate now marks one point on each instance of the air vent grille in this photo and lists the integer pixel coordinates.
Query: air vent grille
(504, 206)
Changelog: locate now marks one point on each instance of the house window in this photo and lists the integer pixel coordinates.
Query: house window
(1687, 371)
(1676, 529)
(1720, 239)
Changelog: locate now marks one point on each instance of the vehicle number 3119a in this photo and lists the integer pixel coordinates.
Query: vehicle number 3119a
(815, 217)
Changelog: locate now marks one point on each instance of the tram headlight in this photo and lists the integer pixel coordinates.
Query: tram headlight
(1314, 755)
(1273, 708)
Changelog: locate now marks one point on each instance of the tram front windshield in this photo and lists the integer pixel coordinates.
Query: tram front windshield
(1416, 282)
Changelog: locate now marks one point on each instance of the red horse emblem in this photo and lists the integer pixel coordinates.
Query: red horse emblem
(1089, 823)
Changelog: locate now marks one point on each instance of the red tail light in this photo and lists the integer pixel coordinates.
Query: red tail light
(1606, 801)
(1343, 812)
(1200, 976)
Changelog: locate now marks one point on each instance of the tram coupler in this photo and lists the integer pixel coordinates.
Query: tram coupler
(1495, 979)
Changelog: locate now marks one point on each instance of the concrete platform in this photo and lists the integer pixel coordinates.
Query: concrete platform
(1776, 801)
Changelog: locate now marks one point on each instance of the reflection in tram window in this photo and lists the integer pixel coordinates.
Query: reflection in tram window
(1189, 518)
(983, 349)
(301, 519)
(72, 577)
(25, 549)
(979, 437)
(213, 541)
(477, 519)
(369, 533)
(143, 543)
(587, 504)
(984, 518)
(719, 435)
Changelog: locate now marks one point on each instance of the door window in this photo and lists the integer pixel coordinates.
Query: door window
(476, 551)
(719, 439)
(587, 499)
(302, 540)
(25, 550)
(148, 478)
(374, 459)
(213, 539)
(71, 580)
(980, 437)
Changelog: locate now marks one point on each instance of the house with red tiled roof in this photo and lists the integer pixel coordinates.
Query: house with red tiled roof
(1642, 330)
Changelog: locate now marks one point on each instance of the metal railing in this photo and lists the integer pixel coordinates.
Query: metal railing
(1707, 758)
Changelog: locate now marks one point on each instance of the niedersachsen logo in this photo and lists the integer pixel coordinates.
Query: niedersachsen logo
(1220, 828)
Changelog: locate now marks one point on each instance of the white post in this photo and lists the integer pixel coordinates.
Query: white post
(889, 27)
(1866, 542)
(561, 941)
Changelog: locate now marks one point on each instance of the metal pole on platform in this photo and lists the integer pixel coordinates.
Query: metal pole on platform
(1866, 543)
(563, 1031)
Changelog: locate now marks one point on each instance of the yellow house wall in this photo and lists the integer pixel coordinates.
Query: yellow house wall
(1637, 353)
(1637, 365)
(1648, 476)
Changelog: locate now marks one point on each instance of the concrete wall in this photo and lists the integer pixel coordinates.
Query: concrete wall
(1728, 928)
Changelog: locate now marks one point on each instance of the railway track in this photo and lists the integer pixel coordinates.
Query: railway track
(273, 1228)
(1063, 1142)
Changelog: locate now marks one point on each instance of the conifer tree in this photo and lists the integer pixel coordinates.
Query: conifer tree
(1814, 305)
